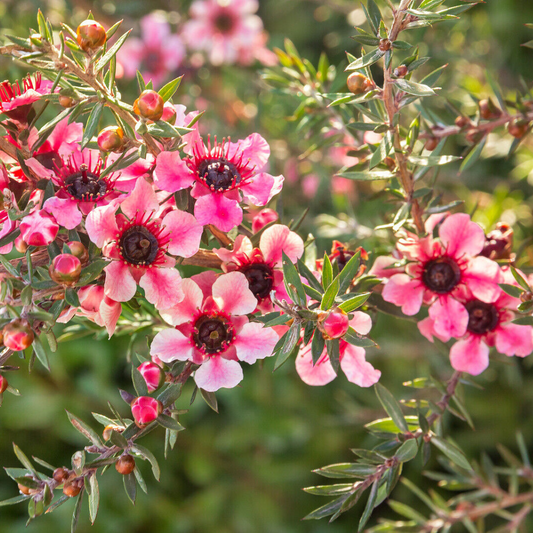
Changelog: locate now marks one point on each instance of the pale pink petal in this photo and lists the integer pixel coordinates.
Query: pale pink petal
(65, 211)
(277, 239)
(450, 318)
(171, 172)
(185, 233)
(357, 369)
(162, 287)
(171, 345)
(232, 294)
(218, 210)
(110, 313)
(143, 199)
(7, 227)
(39, 169)
(315, 375)
(403, 291)
(461, 236)
(65, 137)
(482, 277)
(154, 28)
(254, 149)
(381, 267)
(433, 220)
(258, 190)
(217, 373)
(426, 328)
(119, 283)
(101, 225)
(39, 228)
(470, 355)
(184, 310)
(361, 322)
(514, 339)
(255, 342)
(242, 245)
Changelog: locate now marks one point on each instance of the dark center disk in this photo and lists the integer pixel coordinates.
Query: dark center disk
(342, 259)
(139, 246)
(219, 174)
(152, 60)
(85, 185)
(259, 278)
(213, 332)
(224, 22)
(482, 317)
(441, 275)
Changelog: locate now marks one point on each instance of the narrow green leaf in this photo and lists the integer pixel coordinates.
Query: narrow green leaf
(292, 281)
(327, 271)
(368, 175)
(130, 486)
(354, 303)
(520, 279)
(317, 346)
(210, 399)
(106, 58)
(452, 452)
(288, 346)
(94, 498)
(139, 383)
(76, 513)
(374, 12)
(366, 60)
(85, 430)
(309, 276)
(21, 456)
(150, 457)
(407, 451)
(118, 440)
(167, 91)
(169, 423)
(432, 161)
(92, 124)
(416, 89)
(391, 406)
(472, 156)
(348, 273)
(369, 505)
(331, 293)
(14, 500)
(326, 510)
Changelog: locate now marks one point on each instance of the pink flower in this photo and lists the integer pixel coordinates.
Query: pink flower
(15, 102)
(489, 324)
(39, 228)
(352, 360)
(263, 218)
(157, 54)
(138, 243)
(152, 374)
(145, 410)
(219, 174)
(442, 273)
(213, 331)
(228, 31)
(262, 266)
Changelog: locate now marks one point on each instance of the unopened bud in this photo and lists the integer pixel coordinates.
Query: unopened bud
(20, 245)
(91, 35)
(462, 122)
(169, 113)
(487, 109)
(61, 474)
(66, 101)
(384, 45)
(18, 335)
(149, 105)
(65, 269)
(3, 384)
(125, 465)
(111, 139)
(431, 144)
(498, 243)
(518, 128)
(108, 430)
(72, 488)
(152, 374)
(358, 83)
(145, 410)
(401, 71)
(333, 325)
(264, 217)
(78, 250)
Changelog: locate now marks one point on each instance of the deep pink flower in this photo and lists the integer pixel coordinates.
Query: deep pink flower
(138, 243)
(156, 55)
(152, 374)
(440, 274)
(352, 360)
(264, 217)
(15, 102)
(145, 410)
(489, 324)
(229, 32)
(334, 324)
(39, 228)
(213, 331)
(262, 266)
(219, 174)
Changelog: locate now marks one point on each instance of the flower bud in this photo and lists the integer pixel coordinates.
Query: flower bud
(65, 269)
(111, 139)
(169, 113)
(149, 105)
(3, 384)
(264, 217)
(18, 335)
(358, 83)
(61, 474)
(125, 465)
(498, 243)
(384, 45)
(25, 490)
(78, 250)
(91, 35)
(518, 128)
(487, 109)
(152, 374)
(66, 101)
(462, 122)
(109, 429)
(20, 245)
(333, 325)
(145, 410)
(431, 144)
(401, 71)
(72, 488)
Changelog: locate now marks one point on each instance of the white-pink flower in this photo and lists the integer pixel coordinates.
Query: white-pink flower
(212, 330)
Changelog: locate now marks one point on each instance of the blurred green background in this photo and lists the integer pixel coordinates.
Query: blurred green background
(243, 470)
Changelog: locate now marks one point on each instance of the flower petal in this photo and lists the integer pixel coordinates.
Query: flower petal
(162, 287)
(514, 339)
(470, 355)
(277, 239)
(315, 375)
(110, 313)
(216, 209)
(185, 231)
(255, 342)
(461, 236)
(231, 293)
(357, 369)
(450, 318)
(119, 283)
(171, 345)
(143, 199)
(482, 277)
(259, 189)
(101, 225)
(406, 292)
(217, 373)
(186, 309)
(65, 211)
(361, 322)
(172, 173)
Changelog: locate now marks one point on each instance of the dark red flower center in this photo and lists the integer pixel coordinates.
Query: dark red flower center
(85, 185)
(139, 246)
(441, 275)
(224, 22)
(482, 317)
(152, 60)
(219, 174)
(213, 334)
(260, 279)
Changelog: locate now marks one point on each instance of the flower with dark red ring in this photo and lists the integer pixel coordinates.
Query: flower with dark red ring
(489, 324)
(219, 173)
(16, 102)
(262, 266)
(152, 374)
(213, 331)
(138, 243)
(352, 360)
(145, 410)
(442, 273)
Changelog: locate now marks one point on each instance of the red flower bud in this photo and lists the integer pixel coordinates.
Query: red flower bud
(18, 335)
(431, 144)
(111, 139)
(149, 105)
(66, 101)
(358, 83)
(72, 488)
(169, 113)
(334, 325)
(61, 474)
(152, 374)
(518, 128)
(264, 217)
(65, 269)
(488, 110)
(3, 384)
(145, 410)
(78, 250)
(91, 35)
(401, 71)
(125, 465)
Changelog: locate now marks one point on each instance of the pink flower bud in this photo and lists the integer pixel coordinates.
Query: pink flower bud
(111, 139)
(145, 410)
(152, 374)
(169, 113)
(65, 269)
(3, 384)
(335, 324)
(149, 105)
(91, 35)
(264, 217)
(38, 229)
(78, 250)
(18, 335)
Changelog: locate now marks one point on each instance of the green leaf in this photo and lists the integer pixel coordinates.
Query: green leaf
(310, 277)
(106, 58)
(402, 45)
(370, 504)
(14, 500)
(291, 339)
(353, 303)
(317, 346)
(94, 498)
(327, 271)
(354, 338)
(385, 149)
(40, 352)
(391, 406)
(130, 486)
(432, 161)
(170, 394)
(366, 39)
(346, 470)
(76, 513)
(511, 290)
(169, 423)
(348, 273)
(331, 293)
(92, 124)
(520, 279)
(452, 452)
(375, 14)
(9, 267)
(85, 430)
(28, 482)
(416, 89)
(366, 60)
(292, 281)
(163, 129)
(326, 510)
(118, 440)
(333, 349)
(210, 399)
(150, 457)
(21, 456)
(10, 237)
(472, 156)
(139, 383)
(167, 91)
(407, 451)
(330, 490)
